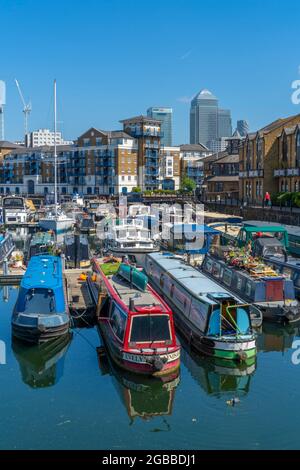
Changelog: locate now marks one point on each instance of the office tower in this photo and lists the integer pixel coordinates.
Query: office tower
(242, 127)
(165, 115)
(224, 123)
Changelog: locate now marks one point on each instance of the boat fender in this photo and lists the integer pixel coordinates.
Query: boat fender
(41, 328)
(241, 356)
(159, 363)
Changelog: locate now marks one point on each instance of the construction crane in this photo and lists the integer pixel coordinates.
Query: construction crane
(26, 108)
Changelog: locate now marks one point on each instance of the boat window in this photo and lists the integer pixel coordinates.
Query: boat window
(150, 328)
(239, 284)
(39, 301)
(198, 314)
(227, 277)
(287, 272)
(118, 322)
(297, 280)
(216, 272)
(208, 265)
(248, 289)
(181, 298)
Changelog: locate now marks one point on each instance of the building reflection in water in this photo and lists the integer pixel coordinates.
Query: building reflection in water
(143, 397)
(41, 365)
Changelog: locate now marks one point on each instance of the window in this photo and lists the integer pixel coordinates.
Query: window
(118, 322)
(129, 178)
(150, 328)
(227, 277)
(259, 153)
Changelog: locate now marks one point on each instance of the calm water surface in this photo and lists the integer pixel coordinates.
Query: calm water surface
(66, 396)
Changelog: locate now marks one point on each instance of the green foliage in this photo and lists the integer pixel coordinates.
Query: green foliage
(187, 184)
(286, 198)
(110, 268)
(136, 189)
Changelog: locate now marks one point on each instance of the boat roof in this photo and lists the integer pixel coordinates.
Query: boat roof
(291, 229)
(194, 281)
(43, 271)
(200, 228)
(127, 292)
(264, 227)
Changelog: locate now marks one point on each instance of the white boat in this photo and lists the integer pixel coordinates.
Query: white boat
(57, 222)
(130, 238)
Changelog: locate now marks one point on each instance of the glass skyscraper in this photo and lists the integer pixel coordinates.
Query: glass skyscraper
(208, 122)
(165, 115)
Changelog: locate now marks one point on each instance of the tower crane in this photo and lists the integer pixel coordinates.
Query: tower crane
(26, 108)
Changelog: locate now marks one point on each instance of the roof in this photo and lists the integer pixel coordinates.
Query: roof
(264, 228)
(234, 158)
(194, 281)
(214, 157)
(199, 228)
(224, 178)
(5, 144)
(140, 118)
(43, 271)
(205, 95)
(194, 148)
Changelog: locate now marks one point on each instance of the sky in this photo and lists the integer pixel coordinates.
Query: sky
(114, 58)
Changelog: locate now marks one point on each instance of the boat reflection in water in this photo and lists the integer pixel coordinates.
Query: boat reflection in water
(41, 365)
(216, 376)
(143, 397)
(276, 338)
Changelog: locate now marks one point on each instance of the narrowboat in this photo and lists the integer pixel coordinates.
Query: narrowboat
(40, 242)
(7, 246)
(253, 282)
(77, 251)
(213, 321)
(14, 209)
(41, 312)
(136, 324)
(293, 234)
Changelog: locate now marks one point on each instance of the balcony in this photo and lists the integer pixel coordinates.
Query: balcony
(256, 173)
(280, 172)
(243, 174)
(293, 172)
(142, 133)
(150, 145)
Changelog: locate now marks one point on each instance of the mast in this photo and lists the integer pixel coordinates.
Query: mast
(55, 153)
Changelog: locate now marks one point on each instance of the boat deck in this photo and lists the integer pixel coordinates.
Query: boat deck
(126, 292)
(78, 295)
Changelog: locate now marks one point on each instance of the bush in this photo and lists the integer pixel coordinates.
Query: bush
(136, 189)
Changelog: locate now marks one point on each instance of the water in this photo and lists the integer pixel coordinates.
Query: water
(67, 397)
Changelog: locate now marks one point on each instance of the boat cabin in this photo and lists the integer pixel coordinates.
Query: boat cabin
(191, 238)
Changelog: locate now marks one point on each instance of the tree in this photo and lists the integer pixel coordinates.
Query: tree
(187, 184)
(136, 189)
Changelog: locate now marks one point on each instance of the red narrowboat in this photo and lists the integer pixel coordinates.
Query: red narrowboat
(136, 324)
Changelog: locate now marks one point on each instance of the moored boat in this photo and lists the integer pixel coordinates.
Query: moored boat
(213, 320)
(7, 246)
(40, 242)
(41, 312)
(136, 324)
(77, 251)
(254, 282)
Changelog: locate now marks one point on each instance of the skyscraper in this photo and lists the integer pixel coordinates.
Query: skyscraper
(242, 127)
(208, 122)
(165, 115)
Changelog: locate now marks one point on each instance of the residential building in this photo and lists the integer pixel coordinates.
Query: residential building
(165, 115)
(268, 159)
(43, 137)
(208, 122)
(147, 132)
(191, 156)
(170, 168)
(7, 147)
(222, 172)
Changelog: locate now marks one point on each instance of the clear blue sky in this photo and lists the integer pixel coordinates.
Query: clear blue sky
(113, 59)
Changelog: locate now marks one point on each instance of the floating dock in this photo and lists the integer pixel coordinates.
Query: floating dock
(78, 295)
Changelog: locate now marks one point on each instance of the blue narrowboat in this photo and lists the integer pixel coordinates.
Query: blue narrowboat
(41, 312)
(213, 320)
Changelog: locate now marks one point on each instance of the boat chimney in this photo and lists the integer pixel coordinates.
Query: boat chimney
(130, 277)
(77, 249)
(131, 304)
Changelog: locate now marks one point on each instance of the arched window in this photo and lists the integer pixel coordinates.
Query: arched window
(298, 148)
(259, 153)
(284, 148)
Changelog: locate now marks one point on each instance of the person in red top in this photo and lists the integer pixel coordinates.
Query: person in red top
(267, 199)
